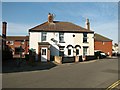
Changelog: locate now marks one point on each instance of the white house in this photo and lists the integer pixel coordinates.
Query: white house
(57, 38)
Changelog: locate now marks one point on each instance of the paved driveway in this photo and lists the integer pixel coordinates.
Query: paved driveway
(91, 74)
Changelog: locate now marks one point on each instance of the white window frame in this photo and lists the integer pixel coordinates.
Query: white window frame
(85, 37)
(86, 52)
(43, 34)
(11, 42)
(61, 35)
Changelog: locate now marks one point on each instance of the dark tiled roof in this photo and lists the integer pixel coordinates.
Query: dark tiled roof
(99, 37)
(59, 26)
(17, 38)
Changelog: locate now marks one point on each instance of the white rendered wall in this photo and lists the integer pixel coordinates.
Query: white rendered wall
(33, 41)
(35, 37)
(78, 40)
(91, 43)
(54, 50)
(68, 41)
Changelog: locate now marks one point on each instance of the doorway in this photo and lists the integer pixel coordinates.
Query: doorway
(44, 54)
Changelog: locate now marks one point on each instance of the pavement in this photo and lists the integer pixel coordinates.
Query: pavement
(90, 74)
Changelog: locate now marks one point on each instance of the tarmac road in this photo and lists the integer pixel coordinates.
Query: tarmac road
(91, 74)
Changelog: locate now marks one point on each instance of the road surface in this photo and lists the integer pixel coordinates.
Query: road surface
(90, 74)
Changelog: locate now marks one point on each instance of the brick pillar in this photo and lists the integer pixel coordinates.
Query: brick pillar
(58, 59)
(4, 27)
(84, 58)
(48, 54)
(76, 58)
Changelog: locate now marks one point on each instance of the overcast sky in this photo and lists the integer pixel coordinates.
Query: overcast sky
(21, 16)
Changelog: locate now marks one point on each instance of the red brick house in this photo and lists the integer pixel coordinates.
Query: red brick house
(14, 42)
(103, 44)
(6, 52)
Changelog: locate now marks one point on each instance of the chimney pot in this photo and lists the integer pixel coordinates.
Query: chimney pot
(87, 24)
(50, 17)
(4, 27)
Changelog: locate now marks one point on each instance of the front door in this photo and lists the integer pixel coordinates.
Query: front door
(44, 54)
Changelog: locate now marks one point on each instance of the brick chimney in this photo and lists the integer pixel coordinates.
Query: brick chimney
(50, 17)
(4, 27)
(87, 24)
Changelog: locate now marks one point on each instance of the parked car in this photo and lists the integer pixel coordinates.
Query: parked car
(99, 54)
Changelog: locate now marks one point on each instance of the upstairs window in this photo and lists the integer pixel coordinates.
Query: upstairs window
(43, 36)
(84, 37)
(10, 42)
(61, 37)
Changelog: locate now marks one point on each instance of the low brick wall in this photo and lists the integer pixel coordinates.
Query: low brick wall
(68, 59)
(58, 59)
(76, 58)
(90, 58)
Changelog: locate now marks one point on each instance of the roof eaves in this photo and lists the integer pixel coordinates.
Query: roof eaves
(104, 40)
(37, 25)
(75, 31)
